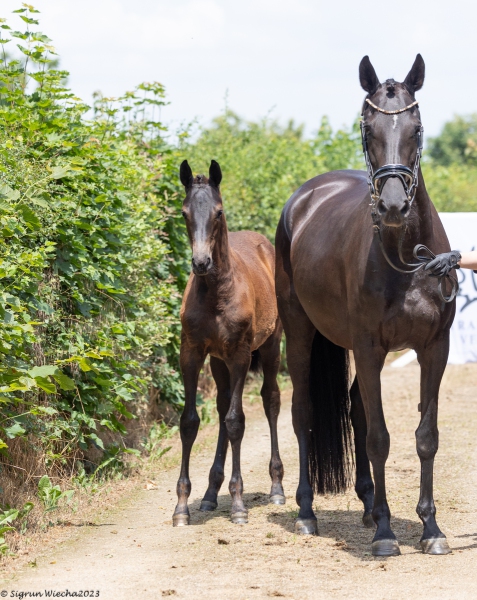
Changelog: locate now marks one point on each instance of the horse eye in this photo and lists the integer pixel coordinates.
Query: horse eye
(219, 214)
(184, 214)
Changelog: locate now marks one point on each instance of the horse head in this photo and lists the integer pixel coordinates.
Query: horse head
(392, 140)
(203, 213)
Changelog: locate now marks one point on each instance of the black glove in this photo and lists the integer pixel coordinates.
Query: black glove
(443, 263)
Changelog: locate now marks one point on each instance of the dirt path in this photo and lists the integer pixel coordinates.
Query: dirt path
(137, 554)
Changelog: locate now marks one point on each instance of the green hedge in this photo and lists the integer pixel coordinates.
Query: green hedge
(90, 249)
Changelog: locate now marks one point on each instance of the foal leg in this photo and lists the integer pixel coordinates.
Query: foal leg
(433, 361)
(270, 392)
(191, 361)
(235, 422)
(369, 358)
(216, 475)
(364, 485)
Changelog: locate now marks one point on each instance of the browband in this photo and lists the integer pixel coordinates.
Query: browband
(391, 112)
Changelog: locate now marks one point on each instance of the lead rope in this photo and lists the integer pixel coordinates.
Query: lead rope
(422, 262)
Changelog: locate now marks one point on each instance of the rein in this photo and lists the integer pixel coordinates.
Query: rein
(409, 180)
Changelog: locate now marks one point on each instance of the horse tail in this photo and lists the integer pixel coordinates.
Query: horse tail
(256, 362)
(330, 457)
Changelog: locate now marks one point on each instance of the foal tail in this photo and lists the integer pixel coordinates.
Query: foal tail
(330, 456)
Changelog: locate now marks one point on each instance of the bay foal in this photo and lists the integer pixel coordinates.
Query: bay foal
(229, 310)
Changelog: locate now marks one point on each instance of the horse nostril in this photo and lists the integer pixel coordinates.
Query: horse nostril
(382, 208)
(405, 207)
(207, 263)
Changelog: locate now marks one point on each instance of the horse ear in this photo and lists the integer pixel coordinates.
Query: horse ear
(186, 175)
(367, 76)
(215, 174)
(415, 78)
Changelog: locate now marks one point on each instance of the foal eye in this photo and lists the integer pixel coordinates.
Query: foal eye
(219, 214)
(183, 212)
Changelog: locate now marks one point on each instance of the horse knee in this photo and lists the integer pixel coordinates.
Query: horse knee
(427, 443)
(235, 423)
(189, 425)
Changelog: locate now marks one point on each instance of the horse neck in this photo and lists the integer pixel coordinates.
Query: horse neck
(218, 284)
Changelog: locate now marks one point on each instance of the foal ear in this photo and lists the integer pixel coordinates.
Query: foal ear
(367, 76)
(215, 174)
(415, 78)
(186, 175)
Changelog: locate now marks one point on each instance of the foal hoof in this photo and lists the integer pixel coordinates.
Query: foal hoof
(207, 506)
(239, 518)
(385, 548)
(277, 499)
(180, 520)
(435, 546)
(306, 527)
(368, 521)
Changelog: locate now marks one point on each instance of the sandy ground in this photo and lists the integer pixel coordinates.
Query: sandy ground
(136, 553)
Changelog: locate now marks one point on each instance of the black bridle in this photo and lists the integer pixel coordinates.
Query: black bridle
(409, 180)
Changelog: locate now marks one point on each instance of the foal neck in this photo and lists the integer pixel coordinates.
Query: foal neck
(219, 281)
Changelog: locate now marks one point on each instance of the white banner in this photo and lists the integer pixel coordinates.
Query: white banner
(461, 229)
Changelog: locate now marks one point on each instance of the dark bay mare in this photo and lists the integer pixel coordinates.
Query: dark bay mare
(229, 312)
(337, 291)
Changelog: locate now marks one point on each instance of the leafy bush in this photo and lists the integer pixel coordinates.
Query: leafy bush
(91, 257)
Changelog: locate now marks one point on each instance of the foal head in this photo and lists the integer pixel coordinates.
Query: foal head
(392, 140)
(203, 213)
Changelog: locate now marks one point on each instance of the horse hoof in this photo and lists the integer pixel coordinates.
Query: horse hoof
(306, 527)
(385, 548)
(180, 520)
(240, 518)
(277, 499)
(368, 521)
(435, 546)
(207, 506)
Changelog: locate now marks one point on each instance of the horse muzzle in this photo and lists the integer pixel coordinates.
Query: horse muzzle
(201, 266)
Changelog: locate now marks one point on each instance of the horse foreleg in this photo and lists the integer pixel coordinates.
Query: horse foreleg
(270, 392)
(216, 474)
(364, 485)
(433, 361)
(191, 361)
(235, 422)
(369, 358)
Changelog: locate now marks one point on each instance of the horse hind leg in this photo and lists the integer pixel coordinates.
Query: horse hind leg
(364, 485)
(270, 392)
(216, 475)
(235, 422)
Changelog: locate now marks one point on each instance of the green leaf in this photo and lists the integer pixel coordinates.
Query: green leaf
(97, 440)
(43, 371)
(46, 385)
(29, 217)
(84, 364)
(14, 431)
(3, 444)
(60, 172)
(64, 381)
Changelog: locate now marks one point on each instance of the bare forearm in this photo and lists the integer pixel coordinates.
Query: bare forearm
(468, 260)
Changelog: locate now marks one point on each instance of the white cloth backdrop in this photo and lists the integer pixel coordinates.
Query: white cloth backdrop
(461, 229)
